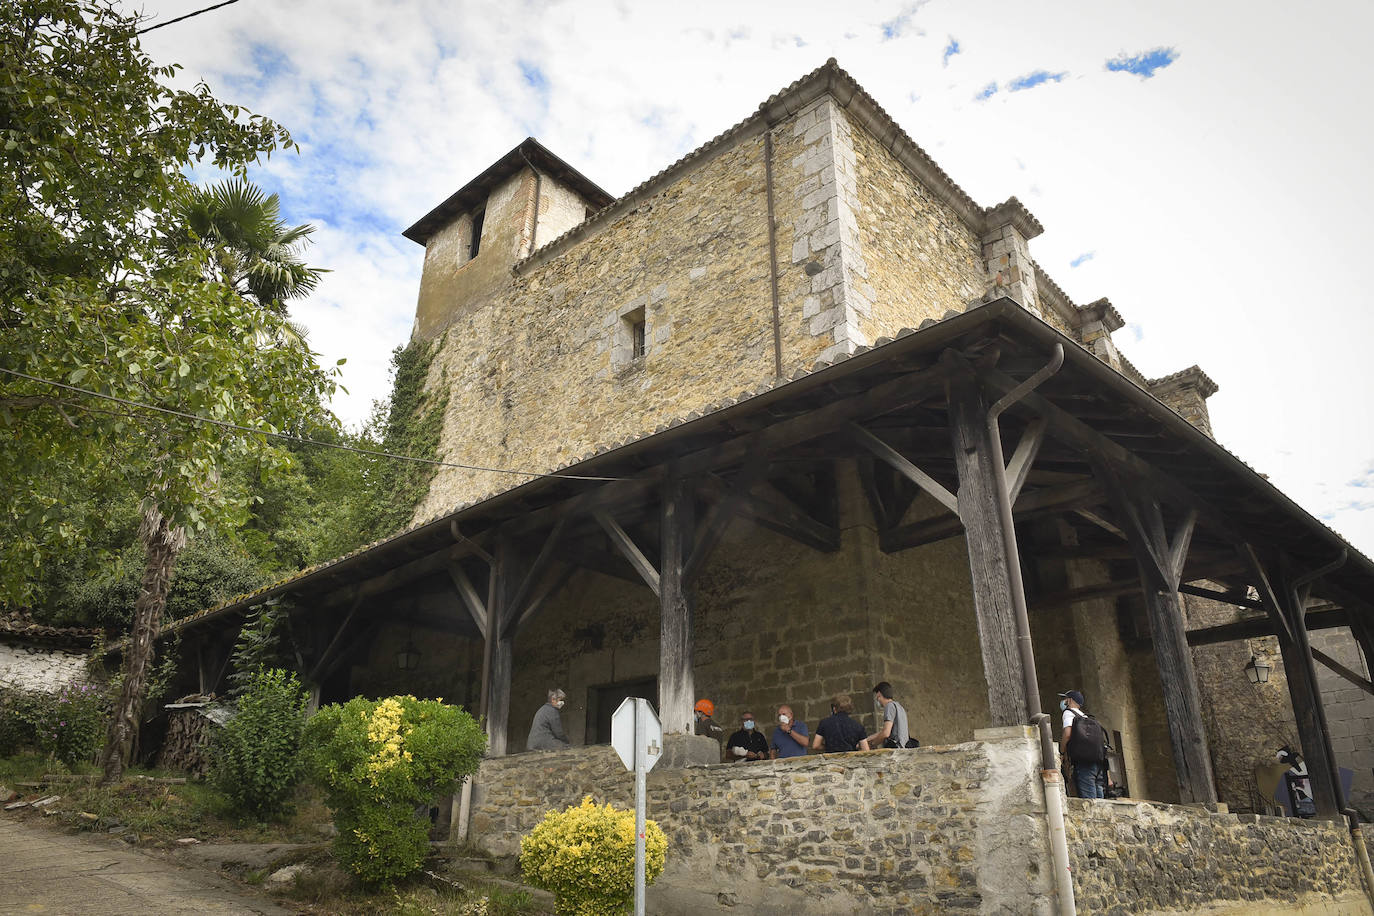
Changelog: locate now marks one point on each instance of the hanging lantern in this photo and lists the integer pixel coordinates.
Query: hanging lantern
(1258, 671)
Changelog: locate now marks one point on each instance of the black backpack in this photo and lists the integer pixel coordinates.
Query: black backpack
(1087, 740)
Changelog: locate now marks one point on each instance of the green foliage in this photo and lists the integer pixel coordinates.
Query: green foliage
(94, 151)
(67, 726)
(257, 649)
(256, 755)
(585, 856)
(410, 424)
(380, 761)
(211, 569)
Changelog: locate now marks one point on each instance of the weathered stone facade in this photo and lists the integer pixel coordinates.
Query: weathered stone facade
(950, 829)
(1349, 714)
(1132, 857)
(536, 349)
(44, 669)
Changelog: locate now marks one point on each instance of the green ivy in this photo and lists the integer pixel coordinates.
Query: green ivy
(410, 423)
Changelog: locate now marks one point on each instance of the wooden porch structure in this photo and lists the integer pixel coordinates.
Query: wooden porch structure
(1087, 445)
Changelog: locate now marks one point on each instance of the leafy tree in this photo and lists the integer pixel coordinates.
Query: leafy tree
(101, 288)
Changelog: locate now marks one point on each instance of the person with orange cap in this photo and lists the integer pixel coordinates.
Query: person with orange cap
(706, 726)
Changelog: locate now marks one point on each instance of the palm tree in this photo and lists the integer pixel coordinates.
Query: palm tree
(251, 247)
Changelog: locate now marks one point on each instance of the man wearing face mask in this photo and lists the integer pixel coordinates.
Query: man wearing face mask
(790, 737)
(1082, 743)
(546, 731)
(747, 743)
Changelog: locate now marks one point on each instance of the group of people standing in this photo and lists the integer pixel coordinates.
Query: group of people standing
(1082, 741)
(837, 733)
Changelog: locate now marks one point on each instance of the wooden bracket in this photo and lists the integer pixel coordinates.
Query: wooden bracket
(471, 600)
(1021, 460)
(899, 461)
(627, 547)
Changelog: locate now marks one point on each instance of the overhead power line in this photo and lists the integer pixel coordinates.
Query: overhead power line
(289, 438)
(187, 16)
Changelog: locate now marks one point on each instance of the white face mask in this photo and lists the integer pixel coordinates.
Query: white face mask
(749, 723)
(783, 720)
(1064, 705)
(558, 704)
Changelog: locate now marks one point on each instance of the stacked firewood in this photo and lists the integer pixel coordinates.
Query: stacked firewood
(190, 726)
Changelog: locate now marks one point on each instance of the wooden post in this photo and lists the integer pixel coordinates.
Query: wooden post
(676, 656)
(497, 661)
(977, 507)
(1305, 695)
(1161, 567)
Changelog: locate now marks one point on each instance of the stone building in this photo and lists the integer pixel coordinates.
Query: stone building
(797, 415)
(42, 659)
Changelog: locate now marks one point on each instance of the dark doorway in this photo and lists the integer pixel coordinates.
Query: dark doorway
(603, 701)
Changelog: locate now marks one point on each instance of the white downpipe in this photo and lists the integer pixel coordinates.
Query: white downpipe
(1059, 841)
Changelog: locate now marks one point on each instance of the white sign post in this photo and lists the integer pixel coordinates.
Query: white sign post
(637, 737)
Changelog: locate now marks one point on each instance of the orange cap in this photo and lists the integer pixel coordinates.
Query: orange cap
(705, 707)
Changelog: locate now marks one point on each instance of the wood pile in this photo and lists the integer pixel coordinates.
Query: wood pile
(191, 723)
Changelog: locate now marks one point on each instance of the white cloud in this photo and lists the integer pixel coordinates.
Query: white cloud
(1222, 198)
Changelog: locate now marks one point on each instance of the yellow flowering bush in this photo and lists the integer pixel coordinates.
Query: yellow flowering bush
(381, 763)
(585, 856)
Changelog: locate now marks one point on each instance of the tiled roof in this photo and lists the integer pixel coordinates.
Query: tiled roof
(17, 623)
(830, 79)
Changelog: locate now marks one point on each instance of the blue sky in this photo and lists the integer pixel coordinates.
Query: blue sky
(1198, 164)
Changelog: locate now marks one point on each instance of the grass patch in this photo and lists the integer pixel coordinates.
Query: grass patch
(327, 889)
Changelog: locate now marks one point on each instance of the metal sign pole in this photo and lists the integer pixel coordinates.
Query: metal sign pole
(641, 767)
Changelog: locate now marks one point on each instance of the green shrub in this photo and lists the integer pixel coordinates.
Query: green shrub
(585, 856)
(379, 763)
(68, 725)
(256, 756)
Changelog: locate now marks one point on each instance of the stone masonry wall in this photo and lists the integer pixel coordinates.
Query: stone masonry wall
(1133, 857)
(1349, 713)
(921, 258)
(39, 669)
(953, 829)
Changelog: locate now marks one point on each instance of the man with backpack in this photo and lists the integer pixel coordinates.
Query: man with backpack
(895, 730)
(1083, 743)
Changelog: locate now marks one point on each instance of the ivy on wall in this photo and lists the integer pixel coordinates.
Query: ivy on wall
(414, 419)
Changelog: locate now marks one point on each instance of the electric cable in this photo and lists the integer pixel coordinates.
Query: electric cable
(187, 16)
(298, 439)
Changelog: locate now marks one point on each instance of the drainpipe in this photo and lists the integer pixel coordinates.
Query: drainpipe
(1049, 771)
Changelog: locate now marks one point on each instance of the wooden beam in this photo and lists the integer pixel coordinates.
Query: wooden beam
(468, 594)
(498, 662)
(978, 511)
(1305, 694)
(1138, 503)
(910, 471)
(1178, 546)
(723, 512)
(628, 549)
(1085, 593)
(1353, 677)
(535, 571)
(1024, 456)
(542, 595)
(1256, 627)
(314, 675)
(1031, 504)
(1223, 597)
(770, 508)
(359, 639)
(677, 640)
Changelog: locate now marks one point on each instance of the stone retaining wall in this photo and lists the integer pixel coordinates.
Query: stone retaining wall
(42, 669)
(953, 829)
(1138, 857)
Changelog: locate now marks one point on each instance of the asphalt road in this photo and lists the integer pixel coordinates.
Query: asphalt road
(46, 872)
